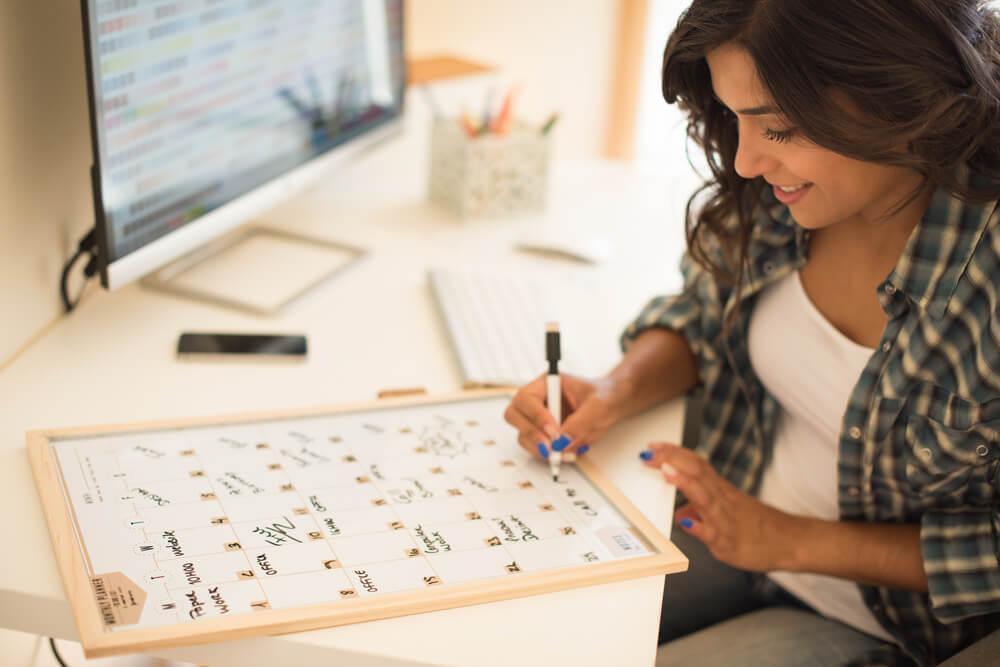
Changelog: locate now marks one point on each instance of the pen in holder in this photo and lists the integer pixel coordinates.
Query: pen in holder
(488, 174)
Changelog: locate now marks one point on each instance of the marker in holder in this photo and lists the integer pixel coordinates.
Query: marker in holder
(489, 174)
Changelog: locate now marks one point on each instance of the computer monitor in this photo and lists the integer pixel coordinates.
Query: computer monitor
(205, 113)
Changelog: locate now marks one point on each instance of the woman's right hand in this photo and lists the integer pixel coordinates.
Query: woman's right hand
(588, 412)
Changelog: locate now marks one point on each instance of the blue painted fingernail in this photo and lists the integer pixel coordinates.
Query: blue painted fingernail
(560, 444)
(582, 450)
(687, 523)
(543, 450)
(645, 455)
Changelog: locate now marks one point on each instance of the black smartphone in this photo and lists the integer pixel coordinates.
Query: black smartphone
(229, 345)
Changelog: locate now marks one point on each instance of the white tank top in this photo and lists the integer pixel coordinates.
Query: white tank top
(811, 369)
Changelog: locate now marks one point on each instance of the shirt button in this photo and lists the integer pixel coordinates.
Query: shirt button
(853, 491)
(854, 432)
(982, 450)
(768, 268)
(886, 346)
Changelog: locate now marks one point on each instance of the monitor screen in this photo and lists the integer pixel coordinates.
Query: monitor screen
(195, 103)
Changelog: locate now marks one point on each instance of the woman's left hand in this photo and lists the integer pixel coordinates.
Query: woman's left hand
(737, 528)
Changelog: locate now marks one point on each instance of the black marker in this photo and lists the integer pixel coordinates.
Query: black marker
(554, 390)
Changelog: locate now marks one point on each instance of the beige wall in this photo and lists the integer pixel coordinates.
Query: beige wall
(44, 160)
(559, 50)
(660, 127)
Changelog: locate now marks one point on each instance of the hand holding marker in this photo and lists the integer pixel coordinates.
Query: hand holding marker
(553, 399)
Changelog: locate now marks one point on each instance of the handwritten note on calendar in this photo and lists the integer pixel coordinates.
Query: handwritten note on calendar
(184, 525)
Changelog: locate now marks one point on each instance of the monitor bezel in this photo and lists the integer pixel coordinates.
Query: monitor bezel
(237, 211)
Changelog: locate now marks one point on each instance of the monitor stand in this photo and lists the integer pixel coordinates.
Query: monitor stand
(254, 269)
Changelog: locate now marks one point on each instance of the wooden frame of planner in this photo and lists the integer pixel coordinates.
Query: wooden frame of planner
(99, 643)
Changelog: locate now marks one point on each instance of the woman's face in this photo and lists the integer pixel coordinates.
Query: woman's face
(821, 188)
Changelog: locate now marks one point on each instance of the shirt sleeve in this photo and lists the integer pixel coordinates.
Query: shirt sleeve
(961, 562)
(695, 313)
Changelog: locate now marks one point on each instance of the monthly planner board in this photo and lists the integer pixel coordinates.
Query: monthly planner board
(179, 533)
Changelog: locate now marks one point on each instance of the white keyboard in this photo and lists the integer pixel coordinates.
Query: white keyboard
(496, 324)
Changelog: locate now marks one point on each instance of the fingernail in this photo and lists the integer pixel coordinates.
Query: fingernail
(687, 523)
(560, 444)
(543, 450)
(645, 455)
(583, 449)
(668, 469)
(551, 431)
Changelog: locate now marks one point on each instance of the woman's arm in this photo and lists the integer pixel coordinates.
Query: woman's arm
(878, 554)
(743, 532)
(658, 366)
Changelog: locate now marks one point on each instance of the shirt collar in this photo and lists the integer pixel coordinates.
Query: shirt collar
(939, 249)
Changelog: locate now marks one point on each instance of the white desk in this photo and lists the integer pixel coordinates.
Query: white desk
(370, 328)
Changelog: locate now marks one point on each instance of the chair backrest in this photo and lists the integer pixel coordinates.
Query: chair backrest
(693, 403)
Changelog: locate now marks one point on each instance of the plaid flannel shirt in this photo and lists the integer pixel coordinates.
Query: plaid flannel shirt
(920, 436)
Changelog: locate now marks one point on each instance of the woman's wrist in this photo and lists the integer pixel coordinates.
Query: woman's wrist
(793, 539)
(617, 389)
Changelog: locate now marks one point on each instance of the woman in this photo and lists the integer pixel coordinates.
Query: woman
(839, 316)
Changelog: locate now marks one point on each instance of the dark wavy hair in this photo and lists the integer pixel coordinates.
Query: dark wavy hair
(922, 78)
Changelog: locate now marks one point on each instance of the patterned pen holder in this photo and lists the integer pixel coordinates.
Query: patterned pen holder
(490, 175)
